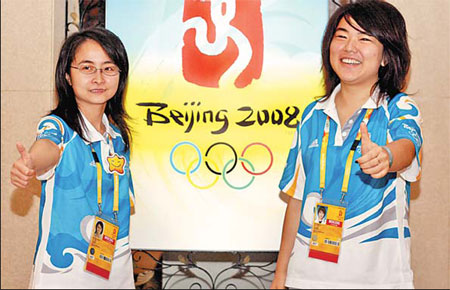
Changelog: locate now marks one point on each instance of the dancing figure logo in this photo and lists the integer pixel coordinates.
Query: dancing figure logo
(223, 42)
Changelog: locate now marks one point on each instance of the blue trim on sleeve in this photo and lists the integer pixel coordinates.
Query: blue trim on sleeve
(290, 168)
(403, 124)
(51, 128)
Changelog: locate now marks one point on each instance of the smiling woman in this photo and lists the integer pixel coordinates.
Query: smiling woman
(93, 87)
(81, 156)
(355, 57)
(361, 177)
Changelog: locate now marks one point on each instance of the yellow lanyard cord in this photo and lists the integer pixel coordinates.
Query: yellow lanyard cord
(116, 194)
(348, 164)
(99, 186)
(323, 153)
(99, 180)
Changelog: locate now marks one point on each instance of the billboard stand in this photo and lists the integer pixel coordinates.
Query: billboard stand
(230, 270)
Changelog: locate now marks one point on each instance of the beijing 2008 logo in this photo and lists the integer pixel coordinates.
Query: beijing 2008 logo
(223, 42)
(212, 166)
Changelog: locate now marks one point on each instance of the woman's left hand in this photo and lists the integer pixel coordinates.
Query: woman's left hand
(374, 159)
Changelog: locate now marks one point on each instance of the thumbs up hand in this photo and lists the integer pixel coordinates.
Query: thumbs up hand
(374, 159)
(22, 170)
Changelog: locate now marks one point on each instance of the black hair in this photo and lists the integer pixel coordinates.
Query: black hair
(321, 208)
(384, 22)
(67, 107)
(96, 225)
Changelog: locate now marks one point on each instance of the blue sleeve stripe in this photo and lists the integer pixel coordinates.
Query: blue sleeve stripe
(289, 171)
(51, 128)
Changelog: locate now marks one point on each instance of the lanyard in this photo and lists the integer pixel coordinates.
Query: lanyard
(99, 185)
(348, 164)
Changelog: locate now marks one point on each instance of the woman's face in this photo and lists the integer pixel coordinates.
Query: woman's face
(321, 214)
(355, 56)
(99, 229)
(92, 90)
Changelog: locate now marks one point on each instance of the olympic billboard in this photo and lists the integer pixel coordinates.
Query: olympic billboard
(215, 92)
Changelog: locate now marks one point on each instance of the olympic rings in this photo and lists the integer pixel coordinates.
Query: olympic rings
(185, 143)
(236, 187)
(234, 152)
(188, 175)
(271, 158)
(216, 171)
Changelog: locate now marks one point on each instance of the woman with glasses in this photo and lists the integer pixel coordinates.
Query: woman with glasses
(81, 156)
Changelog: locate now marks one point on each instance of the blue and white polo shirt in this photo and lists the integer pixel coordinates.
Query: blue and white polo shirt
(69, 204)
(375, 250)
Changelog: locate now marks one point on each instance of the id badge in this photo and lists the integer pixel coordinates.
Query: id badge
(326, 235)
(101, 248)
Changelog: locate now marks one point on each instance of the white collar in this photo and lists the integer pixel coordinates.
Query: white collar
(92, 135)
(329, 104)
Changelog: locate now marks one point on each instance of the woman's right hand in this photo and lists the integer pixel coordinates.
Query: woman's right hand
(23, 170)
(278, 281)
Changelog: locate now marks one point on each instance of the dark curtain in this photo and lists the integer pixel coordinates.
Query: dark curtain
(92, 13)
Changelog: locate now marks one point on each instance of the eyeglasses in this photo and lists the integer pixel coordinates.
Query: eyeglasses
(89, 69)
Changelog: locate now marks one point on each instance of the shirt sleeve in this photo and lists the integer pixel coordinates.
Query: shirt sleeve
(293, 179)
(50, 128)
(404, 123)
